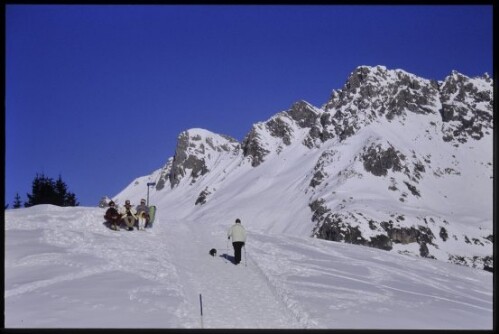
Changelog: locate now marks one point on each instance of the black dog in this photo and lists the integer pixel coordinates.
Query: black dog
(213, 252)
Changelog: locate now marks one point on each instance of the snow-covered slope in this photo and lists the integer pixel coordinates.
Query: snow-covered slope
(64, 269)
(392, 161)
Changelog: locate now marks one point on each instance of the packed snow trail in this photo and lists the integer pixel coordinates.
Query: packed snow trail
(65, 269)
(233, 296)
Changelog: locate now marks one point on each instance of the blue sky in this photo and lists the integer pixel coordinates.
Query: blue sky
(99, 94)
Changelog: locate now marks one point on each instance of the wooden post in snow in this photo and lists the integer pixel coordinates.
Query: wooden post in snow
(201, 308)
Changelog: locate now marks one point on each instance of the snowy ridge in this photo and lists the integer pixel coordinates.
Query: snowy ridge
(88, 276)
(383, 163)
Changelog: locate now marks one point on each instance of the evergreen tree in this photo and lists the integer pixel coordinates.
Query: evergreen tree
(65, 197)
(17, 201)
(47, 191)
(42, 191)
(61, 190)
(71, 200)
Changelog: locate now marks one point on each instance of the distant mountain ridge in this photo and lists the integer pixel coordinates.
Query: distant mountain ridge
(391, 160)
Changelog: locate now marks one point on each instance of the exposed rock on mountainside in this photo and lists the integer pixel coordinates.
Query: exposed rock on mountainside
(466, 107)
(195, 150)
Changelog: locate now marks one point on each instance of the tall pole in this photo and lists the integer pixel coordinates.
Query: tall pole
(148, 185)
(201, 308)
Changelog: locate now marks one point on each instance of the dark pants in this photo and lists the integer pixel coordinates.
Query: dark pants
(114, 223)
(237, 251)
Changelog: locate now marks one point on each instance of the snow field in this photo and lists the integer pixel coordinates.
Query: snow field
(65, 269)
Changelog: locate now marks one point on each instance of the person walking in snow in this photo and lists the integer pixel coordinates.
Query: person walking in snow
(129, 215)
(112, 216)
(142, 214)
(238, 234)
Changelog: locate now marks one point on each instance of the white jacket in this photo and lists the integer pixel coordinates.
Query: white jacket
(237, 232)
(132, 211)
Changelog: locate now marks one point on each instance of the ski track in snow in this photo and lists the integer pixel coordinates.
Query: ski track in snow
(224, 286)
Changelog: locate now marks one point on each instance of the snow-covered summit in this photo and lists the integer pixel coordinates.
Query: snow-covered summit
(198, 151)
(383, 163)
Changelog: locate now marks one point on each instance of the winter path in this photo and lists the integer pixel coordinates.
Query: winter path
(65, 269)
(233, 296)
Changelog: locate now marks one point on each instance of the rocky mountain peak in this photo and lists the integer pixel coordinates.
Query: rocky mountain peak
(195, 149)
(304, 114)
(383, 163)
(280, 131)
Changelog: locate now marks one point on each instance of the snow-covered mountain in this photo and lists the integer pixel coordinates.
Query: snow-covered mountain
(392, 161)
(395, 168)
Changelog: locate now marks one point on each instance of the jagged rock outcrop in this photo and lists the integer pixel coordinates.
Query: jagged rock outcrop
(378, 160)
(279, 131)
(203, 196)
(184, 160)
(254, 146)
(466, 107)
(195, 152)
(374, 92)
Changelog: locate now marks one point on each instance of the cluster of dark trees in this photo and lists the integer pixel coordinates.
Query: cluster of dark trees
(47, 191)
